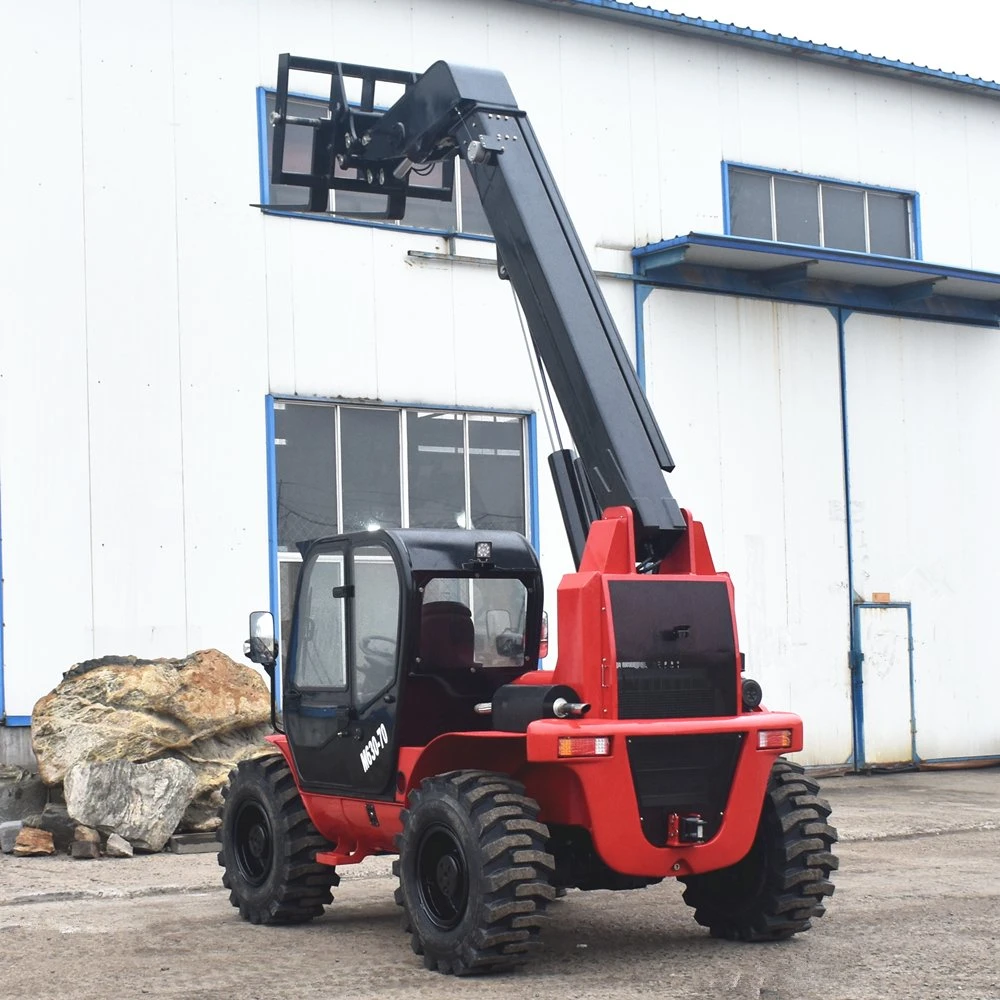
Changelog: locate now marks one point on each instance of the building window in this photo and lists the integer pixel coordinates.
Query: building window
(345, 467)
(463, 214)
(791, 208)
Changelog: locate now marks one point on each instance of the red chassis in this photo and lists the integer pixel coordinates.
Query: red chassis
(593, 791)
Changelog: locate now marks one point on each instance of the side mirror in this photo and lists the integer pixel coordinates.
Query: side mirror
(497, 622)
(262, 646)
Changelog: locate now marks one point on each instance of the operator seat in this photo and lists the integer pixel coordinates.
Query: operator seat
(447, 646)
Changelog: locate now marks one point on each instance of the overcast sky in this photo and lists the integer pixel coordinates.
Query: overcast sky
(961, 36)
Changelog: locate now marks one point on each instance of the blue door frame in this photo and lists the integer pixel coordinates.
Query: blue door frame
(857, 678)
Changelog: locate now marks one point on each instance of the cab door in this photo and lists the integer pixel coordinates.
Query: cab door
(339, 705)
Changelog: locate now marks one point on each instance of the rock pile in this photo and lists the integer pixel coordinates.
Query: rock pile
(140, 748)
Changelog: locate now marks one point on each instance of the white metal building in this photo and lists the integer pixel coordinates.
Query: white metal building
(797, 242)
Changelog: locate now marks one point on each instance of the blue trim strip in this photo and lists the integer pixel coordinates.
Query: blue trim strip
(17, 720)
(533, 480)
(264, 169)
(262, 164)
(854, 652)
(345, 401)
(918, 240)
(640, 292)
(717, 31)
(272, 531)
(393, 226)
(3, 702)
(726, 227)
(812, 253)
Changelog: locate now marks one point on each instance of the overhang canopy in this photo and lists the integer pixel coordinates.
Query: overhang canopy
(736, 265)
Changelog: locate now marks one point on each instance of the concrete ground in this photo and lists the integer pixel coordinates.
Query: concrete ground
(915, 914)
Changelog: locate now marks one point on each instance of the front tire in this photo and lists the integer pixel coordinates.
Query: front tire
(473, 872)
(269, 847)
(776, 890)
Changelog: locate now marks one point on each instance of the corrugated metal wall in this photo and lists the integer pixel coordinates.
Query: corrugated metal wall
(147, 310)
(924, 422)
(751, 393)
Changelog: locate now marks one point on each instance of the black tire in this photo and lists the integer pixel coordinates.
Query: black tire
(473, 872)
(269, 847)
(776, 890)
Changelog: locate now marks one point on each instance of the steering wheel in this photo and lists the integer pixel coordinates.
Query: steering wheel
(380, 649)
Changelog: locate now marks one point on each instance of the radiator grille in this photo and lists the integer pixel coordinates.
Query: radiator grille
(682, 774)
(687, 693)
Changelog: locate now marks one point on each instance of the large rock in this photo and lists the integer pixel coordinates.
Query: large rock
(124, 708)
(212, 759)
(141, 802)
(206, 710)
(21, 793)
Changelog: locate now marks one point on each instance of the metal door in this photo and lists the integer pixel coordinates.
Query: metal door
(884, 685)
(339, 707)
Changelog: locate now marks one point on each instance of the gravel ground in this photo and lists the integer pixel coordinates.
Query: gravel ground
(915, 915)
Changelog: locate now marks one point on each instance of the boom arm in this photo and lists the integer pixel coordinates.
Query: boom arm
(454, 110)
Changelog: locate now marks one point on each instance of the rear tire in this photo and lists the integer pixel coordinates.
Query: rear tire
(473, 872)
(776, 890)
(269, 847)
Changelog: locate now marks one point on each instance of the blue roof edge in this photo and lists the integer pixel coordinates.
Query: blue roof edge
(791, 46)
(814, 253)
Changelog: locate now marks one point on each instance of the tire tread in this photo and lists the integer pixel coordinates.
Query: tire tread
(303, 887)
(513, 878)
(786, 875)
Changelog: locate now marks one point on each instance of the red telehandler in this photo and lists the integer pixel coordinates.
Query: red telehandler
(413, 719)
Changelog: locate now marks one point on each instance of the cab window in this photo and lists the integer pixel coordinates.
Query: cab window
(321, 648)
(497, 609)
(376, 620)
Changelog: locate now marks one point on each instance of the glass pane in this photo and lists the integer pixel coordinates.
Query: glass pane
(288, 579)
(448, 589)
(306, 466)
(298, 150)
(348, 203)
(797, 211)
(496, 472)
(843, 218)
(497, 608)
(750, 204)
(499, 611)
(320, 656)
(376, 620)
(889, 224)
(369, 440)
(473, 216)
(424, 212)
(436, 459)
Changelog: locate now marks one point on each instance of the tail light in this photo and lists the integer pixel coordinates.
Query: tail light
(774, 739)
(543, 645)
(584, 746)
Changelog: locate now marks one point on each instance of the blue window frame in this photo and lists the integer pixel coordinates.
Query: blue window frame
(336, 465)
(787, 207)
(463, 215)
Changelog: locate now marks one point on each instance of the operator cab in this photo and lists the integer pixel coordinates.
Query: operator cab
(396, 636)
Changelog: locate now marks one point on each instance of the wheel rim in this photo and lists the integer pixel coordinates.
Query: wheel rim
(442, 877)
(253, 843)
